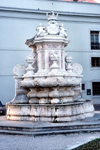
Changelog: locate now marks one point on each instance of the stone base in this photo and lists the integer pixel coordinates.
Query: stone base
(50, 112)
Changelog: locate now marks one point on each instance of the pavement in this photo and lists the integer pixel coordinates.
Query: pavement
(48, 142)
(25, 135)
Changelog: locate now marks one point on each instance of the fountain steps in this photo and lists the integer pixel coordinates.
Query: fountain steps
(50, 130)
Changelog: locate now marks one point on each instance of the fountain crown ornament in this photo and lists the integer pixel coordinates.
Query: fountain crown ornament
(52, 16)
(52, 26)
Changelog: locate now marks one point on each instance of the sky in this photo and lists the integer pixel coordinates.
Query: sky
(84, 0)
(97, 1)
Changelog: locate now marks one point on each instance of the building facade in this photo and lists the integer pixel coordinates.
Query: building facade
(18, 22)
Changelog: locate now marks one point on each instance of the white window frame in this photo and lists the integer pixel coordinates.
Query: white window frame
(94, 50)
(95, 66)
(94, 54)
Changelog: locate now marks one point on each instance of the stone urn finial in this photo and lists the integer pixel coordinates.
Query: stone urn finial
(29, 69)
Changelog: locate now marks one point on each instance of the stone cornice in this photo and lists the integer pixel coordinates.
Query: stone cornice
(37, 11)
(56, 39)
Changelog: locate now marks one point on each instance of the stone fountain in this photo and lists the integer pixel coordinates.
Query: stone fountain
(49, 88)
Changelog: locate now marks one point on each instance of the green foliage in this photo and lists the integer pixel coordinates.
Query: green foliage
(92, 145)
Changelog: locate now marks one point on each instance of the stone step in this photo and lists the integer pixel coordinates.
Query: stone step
(47, 130)
(50, 128)
(67, 127)
(9, 132)
(16, 128)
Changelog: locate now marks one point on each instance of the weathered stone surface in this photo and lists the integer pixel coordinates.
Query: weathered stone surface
(20, 92)
(51, 113)
(19, 69)
(51, 84)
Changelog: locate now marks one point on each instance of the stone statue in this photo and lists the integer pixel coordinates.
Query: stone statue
(40, 30)
(62, 31)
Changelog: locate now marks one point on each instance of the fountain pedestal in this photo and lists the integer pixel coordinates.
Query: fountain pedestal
(52, 83)
(50, 112)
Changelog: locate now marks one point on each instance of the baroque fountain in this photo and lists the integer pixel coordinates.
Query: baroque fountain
(49, 88)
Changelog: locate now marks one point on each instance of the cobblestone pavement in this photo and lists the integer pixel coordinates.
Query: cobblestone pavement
(54, 142)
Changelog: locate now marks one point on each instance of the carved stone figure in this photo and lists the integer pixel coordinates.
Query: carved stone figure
(40, 30)
(62, 31)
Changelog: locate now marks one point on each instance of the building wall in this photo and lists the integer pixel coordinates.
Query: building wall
(18, 21)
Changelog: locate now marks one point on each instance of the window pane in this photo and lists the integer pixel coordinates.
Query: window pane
(96, 38)
(95, 61)
(83, 86)
(96, 88)
(92, 38)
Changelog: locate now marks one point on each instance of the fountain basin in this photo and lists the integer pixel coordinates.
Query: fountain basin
(50, 112)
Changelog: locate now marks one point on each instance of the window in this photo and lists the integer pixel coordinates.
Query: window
(95, 61)
(96, 88)
(83, 86)
(95, 44)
